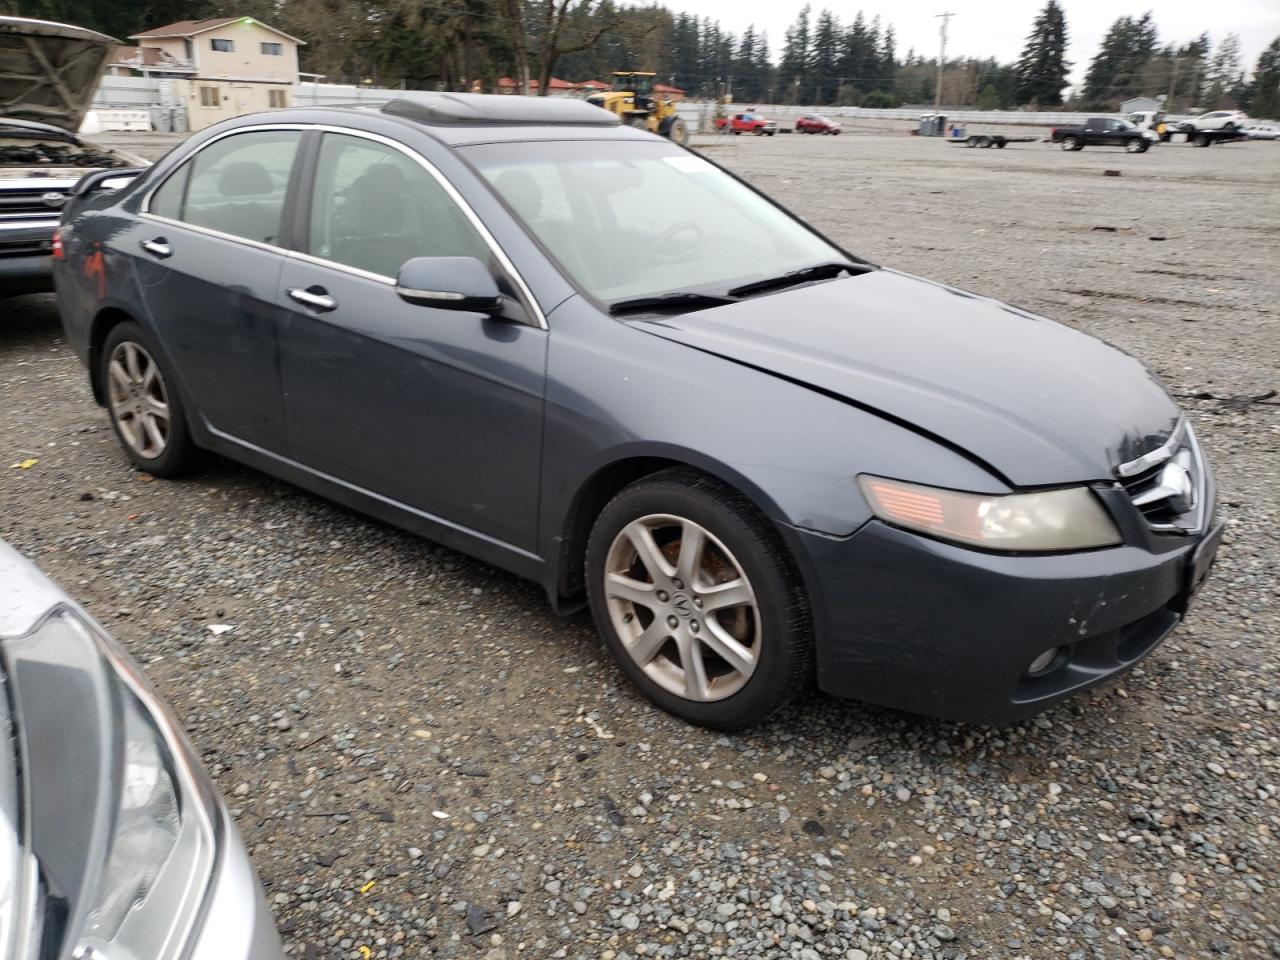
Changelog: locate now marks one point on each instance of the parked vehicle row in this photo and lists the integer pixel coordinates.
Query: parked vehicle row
(748, 122)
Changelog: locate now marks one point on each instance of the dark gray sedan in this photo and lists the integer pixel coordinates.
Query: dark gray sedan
(594, 358)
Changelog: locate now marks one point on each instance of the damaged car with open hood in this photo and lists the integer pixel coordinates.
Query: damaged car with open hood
(48, 75)
(591, 356)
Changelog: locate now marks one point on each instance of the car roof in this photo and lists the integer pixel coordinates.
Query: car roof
(458, 119)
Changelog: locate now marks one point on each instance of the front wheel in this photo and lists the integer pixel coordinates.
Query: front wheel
(697, 599)
(678, 132)
(1135, 145)
(143, 402)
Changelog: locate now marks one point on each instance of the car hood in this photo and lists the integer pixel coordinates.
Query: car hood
(1037, 402)
(49, 71)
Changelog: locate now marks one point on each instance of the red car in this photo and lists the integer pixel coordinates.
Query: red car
(748, 123)
(817, 123)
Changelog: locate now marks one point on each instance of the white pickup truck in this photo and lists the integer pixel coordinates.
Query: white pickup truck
(48, 74)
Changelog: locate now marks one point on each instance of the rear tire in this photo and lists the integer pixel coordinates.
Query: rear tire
(1071, 143)
(651, 596)
(142, 400)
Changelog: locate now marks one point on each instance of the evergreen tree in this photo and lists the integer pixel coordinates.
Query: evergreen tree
(1264, 93)
(1042, 69)
(825, 59)
(1116, 71)
(1225, 74)
(794, 69)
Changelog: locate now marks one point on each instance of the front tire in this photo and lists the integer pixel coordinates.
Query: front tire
(696, 597)
(678, 132)
(1134, 145)
(142, 400)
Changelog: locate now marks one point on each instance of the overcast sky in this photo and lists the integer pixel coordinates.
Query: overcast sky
(998, 28)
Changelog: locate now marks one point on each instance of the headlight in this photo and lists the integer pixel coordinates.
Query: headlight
(1052, 521)
(145, 893)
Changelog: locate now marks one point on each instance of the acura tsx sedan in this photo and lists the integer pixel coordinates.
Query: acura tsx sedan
(594, 358)
(113, 842)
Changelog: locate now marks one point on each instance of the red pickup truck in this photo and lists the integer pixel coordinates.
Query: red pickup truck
(748, 123)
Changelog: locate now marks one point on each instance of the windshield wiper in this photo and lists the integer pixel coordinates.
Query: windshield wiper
(670, 301)
(819, 271)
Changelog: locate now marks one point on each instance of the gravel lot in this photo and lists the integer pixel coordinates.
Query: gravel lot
(425, 762)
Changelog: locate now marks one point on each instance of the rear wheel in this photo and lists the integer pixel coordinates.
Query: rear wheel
(145, 408)
(697, 599)
(1070, 143)
(1204, 140)
(1000, 144)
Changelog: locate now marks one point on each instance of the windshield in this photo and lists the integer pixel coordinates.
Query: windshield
(629, 219)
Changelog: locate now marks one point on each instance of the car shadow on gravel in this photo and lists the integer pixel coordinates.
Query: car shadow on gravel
(29, 322)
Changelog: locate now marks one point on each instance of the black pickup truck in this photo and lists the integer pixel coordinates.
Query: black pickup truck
(1102, 132)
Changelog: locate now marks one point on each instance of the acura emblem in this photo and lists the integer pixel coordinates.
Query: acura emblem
(52, 199)
(682, 605)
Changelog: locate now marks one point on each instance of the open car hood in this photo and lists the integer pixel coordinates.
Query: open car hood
(49, 71)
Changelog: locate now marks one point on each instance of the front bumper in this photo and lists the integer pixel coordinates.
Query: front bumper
(237, 924)
(25, 263)
(912, 623)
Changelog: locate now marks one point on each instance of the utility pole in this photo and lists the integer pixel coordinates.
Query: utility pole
(1173, 83)
(942, 58)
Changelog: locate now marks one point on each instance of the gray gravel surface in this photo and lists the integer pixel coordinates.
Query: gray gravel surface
(425, 762)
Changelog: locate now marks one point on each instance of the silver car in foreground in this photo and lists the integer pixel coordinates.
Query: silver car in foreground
(113, 843)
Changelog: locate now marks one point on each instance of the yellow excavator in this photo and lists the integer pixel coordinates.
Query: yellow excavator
(633, 101)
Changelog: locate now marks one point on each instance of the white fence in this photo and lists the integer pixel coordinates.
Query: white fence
(332, 94)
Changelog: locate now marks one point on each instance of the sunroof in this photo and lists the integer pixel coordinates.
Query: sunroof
(484, 109)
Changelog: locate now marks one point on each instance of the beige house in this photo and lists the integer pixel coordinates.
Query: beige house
(236, 65)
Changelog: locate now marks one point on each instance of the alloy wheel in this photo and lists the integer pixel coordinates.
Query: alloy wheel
(682, 607)
(139, 399)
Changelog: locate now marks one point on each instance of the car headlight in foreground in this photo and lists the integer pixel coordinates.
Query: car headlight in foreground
(113, 843)
(1040, 522)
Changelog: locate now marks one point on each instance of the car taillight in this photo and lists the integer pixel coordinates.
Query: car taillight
(55, 246)
(1053, 132)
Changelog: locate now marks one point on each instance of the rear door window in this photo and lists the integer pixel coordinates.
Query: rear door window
(236, 185)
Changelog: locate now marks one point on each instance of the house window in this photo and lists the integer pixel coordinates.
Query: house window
(209, 97)
(276, 98)
(272, 49)
(223, 46)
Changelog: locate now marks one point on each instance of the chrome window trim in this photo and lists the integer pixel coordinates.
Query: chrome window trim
(1159, 455)
(472, 217)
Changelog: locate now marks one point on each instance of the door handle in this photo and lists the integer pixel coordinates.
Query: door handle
(158, 247)
(314, 297)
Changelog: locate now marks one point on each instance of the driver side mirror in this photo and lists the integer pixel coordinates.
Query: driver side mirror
(449, 283)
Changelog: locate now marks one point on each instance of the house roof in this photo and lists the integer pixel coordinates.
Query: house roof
(595, 85)
(189, 28)
(555, 83)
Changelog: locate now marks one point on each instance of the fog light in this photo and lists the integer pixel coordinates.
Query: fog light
(1043, 663)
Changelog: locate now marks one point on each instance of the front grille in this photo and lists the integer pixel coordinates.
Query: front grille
(25, 204)
(1169, 485)
(25, 248)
